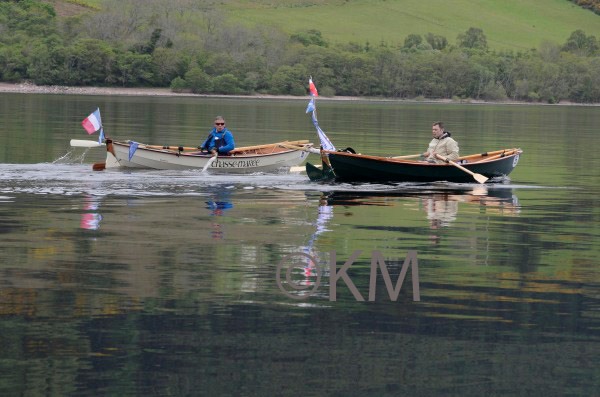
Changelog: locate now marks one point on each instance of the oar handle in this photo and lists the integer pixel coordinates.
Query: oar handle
(410, 156)
(295, 147)
(179, 148)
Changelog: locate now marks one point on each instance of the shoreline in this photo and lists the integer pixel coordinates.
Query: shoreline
(28, 88)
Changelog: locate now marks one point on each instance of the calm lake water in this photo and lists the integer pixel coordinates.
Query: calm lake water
(166, 283)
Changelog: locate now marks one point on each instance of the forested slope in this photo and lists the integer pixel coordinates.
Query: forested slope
(202, 46)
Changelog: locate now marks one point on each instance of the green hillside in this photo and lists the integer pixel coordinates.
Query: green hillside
(231, 47)
(508, 24)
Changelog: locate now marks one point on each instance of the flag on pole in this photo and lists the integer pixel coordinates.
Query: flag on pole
(325, 142)
(93, 122)
(312, 108)
(132, 148)
(312, 88)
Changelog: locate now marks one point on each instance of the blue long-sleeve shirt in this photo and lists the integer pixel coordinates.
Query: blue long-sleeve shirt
(222, 141)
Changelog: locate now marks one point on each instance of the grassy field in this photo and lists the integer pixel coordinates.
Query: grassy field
(91, 3)
(507, 24)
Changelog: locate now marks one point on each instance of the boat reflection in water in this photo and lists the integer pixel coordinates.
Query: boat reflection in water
(467, 210)
(440, 205)
(442, 208)
(456, 216)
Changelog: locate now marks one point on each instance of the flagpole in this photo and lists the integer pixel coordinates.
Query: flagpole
(326, 143)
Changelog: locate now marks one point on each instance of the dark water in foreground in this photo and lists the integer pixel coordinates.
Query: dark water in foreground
(165, 283)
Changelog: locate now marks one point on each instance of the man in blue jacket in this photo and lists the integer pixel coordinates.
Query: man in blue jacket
(220, 139)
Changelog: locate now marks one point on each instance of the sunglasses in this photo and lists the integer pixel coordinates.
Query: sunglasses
(219, 123)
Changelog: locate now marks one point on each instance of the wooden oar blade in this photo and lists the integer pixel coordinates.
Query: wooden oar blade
(209, 163)
(99, 166)
(480, 178)
(85, 143)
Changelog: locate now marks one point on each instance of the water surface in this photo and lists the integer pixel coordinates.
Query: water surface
(164, 282)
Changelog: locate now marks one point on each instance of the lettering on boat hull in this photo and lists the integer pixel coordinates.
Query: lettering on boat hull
(252, 163)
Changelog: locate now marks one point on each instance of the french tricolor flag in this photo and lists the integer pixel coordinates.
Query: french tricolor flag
(312, 88)
(92, 123)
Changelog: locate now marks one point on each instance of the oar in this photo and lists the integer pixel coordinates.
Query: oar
(411, 156)
(294, 147)
(178, 148)
(209, 162)
(85, 143)
(478, 177)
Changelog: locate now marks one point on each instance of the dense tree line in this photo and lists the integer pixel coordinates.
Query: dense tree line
(188, 45)
(593, 5)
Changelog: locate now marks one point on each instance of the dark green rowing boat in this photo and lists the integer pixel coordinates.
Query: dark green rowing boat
(350, 167)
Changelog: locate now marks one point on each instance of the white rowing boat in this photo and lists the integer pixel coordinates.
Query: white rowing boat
(260, 158)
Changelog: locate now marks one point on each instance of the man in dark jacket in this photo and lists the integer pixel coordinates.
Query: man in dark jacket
(220, 139)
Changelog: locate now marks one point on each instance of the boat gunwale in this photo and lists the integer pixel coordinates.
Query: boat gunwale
(485, 159)
(210, 155)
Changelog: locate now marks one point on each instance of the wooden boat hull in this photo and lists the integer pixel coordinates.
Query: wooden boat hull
(349, 167)
(260, 158)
